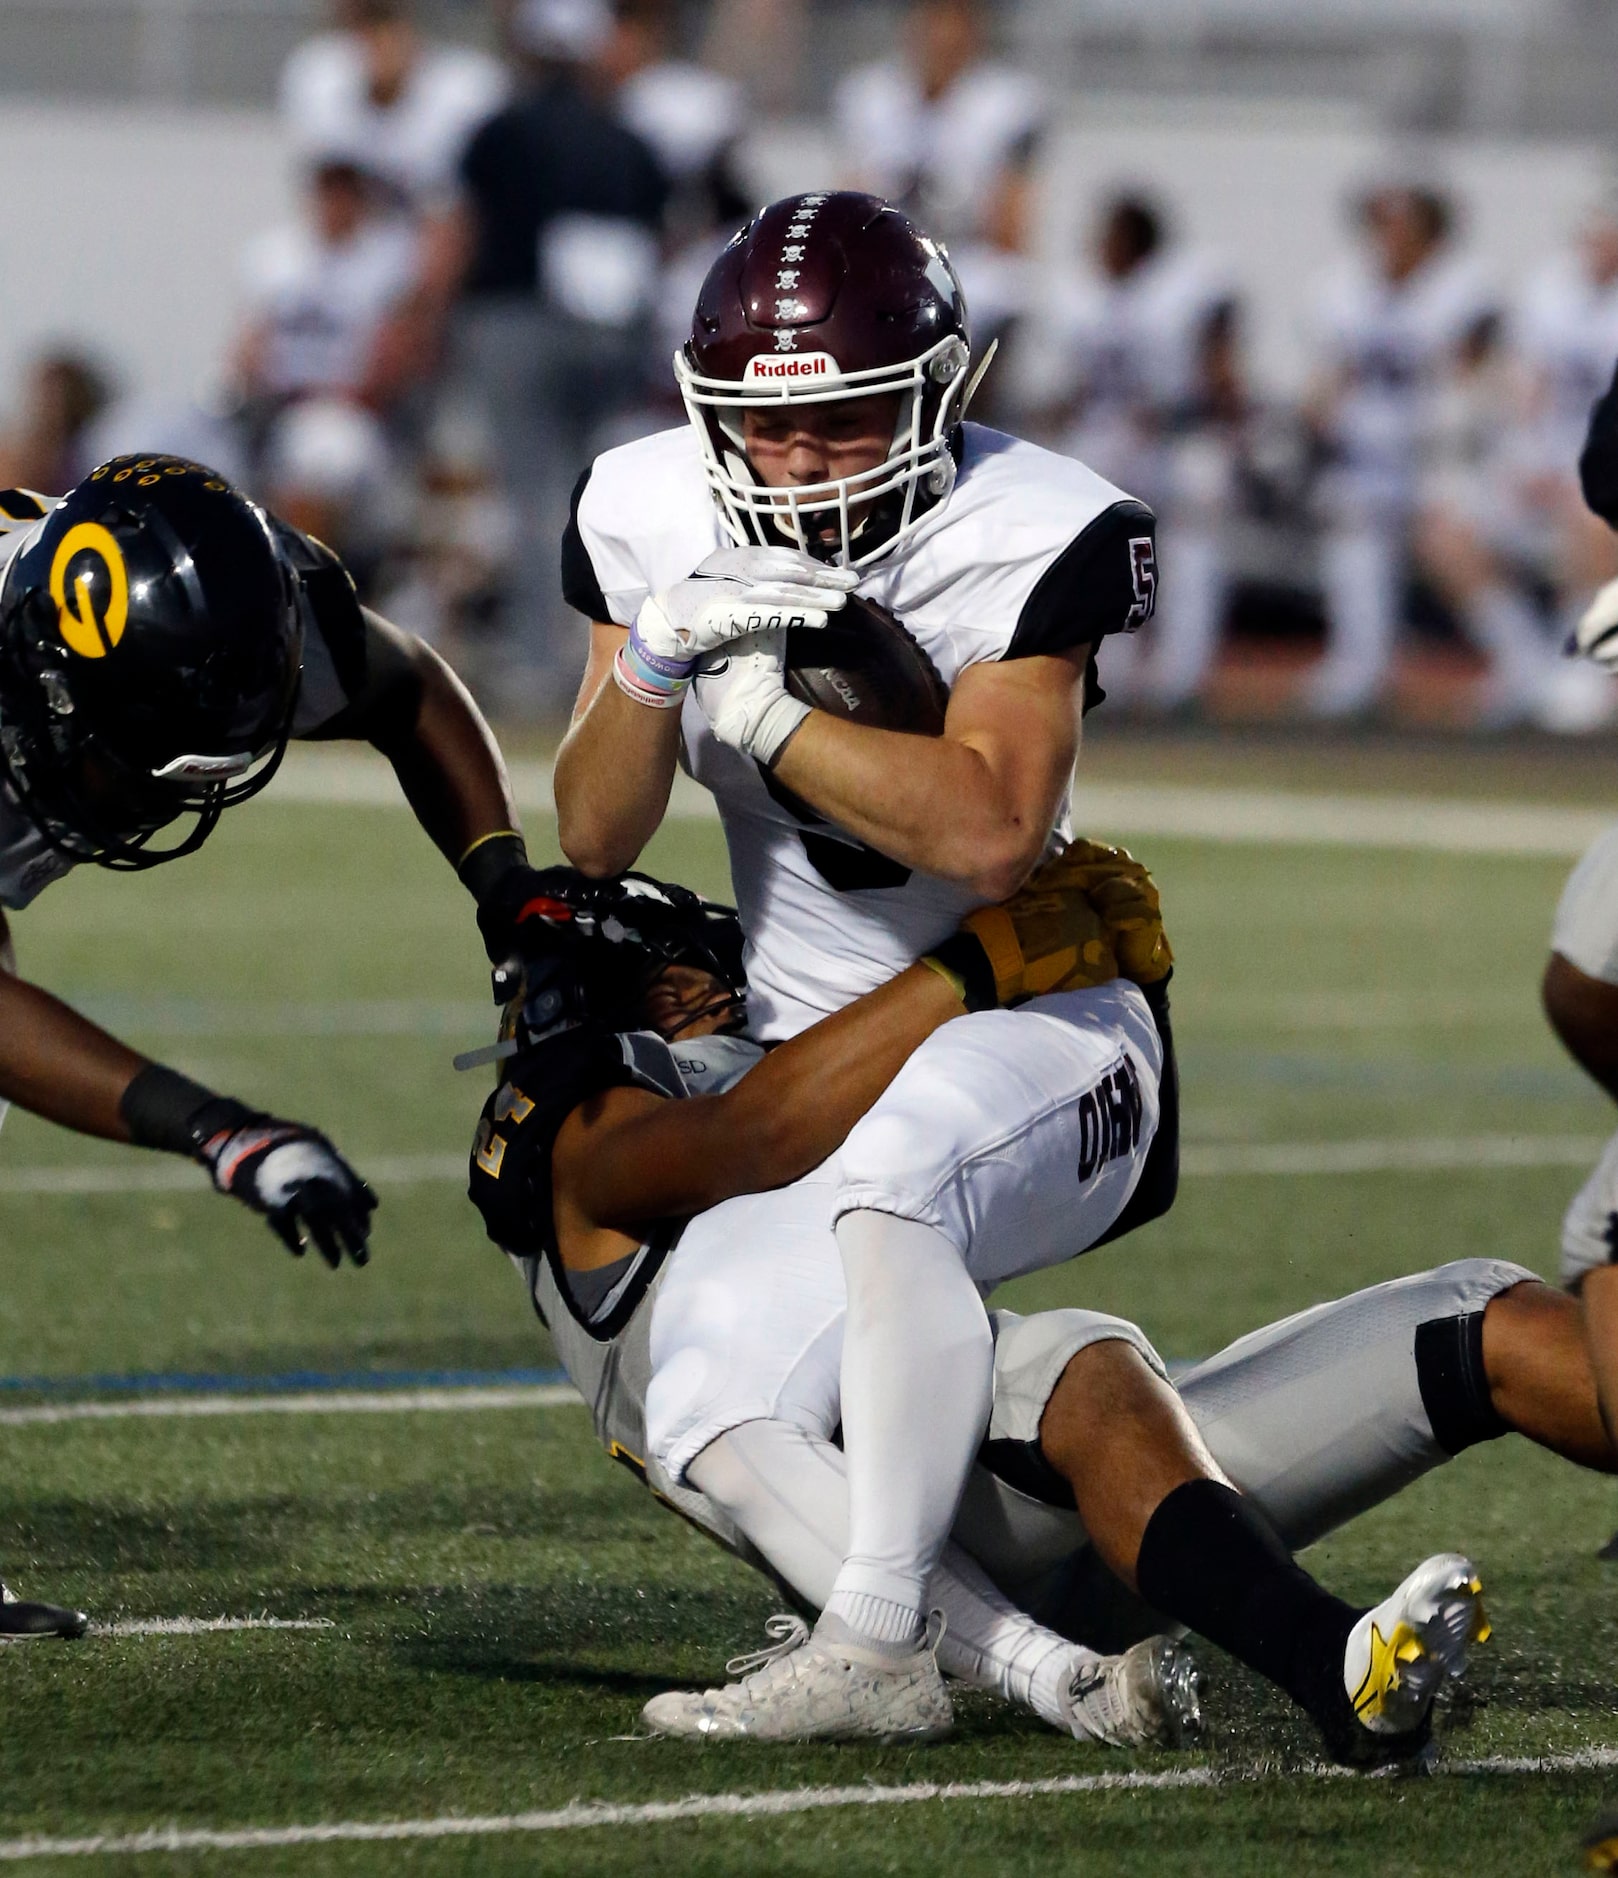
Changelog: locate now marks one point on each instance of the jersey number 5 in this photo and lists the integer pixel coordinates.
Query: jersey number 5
(1143, 576)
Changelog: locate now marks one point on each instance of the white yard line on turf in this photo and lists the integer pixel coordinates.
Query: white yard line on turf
(203, 1626)
(175, 1176)
(595, 1814)
(327, 1402)
(1419, 1154)
(1432, 824)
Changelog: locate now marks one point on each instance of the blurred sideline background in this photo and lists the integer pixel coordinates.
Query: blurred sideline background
(1333, 286)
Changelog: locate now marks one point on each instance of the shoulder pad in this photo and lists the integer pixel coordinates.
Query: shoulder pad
(327, 601)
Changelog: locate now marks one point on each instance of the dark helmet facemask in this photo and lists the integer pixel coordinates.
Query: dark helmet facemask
(150, 650)
(590, 950)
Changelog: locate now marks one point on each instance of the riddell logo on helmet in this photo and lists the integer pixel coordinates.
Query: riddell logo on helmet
(770, 369)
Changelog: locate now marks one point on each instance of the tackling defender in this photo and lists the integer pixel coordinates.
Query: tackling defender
(648, 1107)
(827, 378)
(632, 997)
(161, 640)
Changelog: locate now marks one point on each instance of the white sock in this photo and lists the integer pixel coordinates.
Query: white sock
(787, 1491)
(1187, 630)
(917, 1384)
(1505, 626)
(1360, 571)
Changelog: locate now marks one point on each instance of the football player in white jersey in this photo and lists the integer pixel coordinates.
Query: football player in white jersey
(1389, 331)
(1138, 363)
(826, 380)
(631, 996)
(161, 639)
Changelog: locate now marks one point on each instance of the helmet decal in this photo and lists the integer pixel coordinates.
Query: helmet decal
(84, 631)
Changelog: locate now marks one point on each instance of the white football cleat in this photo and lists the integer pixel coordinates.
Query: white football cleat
(1148, 1696)
(804, 1689)
(1400, 1654)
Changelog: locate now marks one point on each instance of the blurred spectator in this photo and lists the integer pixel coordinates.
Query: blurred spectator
(326, 354)
(1468, 539)
(322, 294)
(692, 118)
(1391, 330)
(952, 136)
(1566, 334)
(396, 103)
(46, 448)
(1141, 361)
(563, 206)
(763, 46)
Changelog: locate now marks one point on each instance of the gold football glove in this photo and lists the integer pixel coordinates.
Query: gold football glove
(1126, 898)
(1085, 918)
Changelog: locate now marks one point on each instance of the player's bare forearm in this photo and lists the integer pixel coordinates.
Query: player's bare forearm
(615, 767)
(425, 722)
(619, 1164)
(975, 805)
(58, 1064)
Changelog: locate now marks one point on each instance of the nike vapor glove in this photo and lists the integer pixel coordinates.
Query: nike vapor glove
(734, 592)
(1596, 635)
(743, 694)
(298, 1181)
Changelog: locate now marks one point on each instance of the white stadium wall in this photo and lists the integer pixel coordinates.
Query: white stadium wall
(122, 232)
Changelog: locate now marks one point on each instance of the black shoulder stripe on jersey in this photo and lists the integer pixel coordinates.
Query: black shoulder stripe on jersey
(580, 586)
(1102, 582)
(19, 506)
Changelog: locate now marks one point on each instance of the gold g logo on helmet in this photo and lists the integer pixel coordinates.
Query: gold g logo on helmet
(90, 585)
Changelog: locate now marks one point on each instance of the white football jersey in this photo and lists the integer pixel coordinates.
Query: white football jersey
(415, 143)
(1032, 553)
(1392, 343)
(946, 153)
(321, 305)
(28, 862)
(1566, 332)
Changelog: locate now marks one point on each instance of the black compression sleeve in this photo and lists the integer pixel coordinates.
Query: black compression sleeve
(1210, 1559)
(163, 1109)
(487, 862)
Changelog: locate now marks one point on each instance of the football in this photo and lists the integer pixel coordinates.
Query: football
(863, 666)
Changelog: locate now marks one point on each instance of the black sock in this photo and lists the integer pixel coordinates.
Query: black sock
(1212, 1561)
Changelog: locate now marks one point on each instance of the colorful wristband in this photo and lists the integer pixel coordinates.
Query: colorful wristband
(651, 678)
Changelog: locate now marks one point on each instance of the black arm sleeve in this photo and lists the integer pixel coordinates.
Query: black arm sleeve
(580, 587)
(1598, 465)
(1104, 581)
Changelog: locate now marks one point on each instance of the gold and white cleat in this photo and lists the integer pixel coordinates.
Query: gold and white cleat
(1400, 1655)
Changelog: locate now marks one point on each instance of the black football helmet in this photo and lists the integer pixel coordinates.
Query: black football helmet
(151, 643)
(589, 950)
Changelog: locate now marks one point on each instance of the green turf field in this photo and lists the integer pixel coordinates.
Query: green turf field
(498, 1599)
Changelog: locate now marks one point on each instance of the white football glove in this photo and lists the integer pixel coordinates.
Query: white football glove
(743, 693)
(734, 592)
(1596, 635)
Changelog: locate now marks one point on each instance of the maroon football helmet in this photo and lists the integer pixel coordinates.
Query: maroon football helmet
(824, 297)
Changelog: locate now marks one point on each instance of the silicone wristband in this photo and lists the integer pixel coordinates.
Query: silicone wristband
(656, 694)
